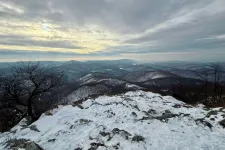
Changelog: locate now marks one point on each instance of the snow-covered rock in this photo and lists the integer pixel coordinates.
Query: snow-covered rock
(135, 120)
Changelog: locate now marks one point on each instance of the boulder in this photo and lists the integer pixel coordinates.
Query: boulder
(222, 123)
(17, 144)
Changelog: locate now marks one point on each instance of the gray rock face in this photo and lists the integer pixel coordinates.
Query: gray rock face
(32, 146)
(34, 128)
(16, 144)
(222, 123)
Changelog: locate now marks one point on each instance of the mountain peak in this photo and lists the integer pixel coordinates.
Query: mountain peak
(134, 120)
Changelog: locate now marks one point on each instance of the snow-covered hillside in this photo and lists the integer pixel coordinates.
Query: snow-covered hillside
(92, 78)
(95, 90)
(86, 91)
(95, 84)
(97, 78)
(145, 76)
(132, 121)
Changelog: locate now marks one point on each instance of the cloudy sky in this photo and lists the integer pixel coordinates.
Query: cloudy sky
(144, 30)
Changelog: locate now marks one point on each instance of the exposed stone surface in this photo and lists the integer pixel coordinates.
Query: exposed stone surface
(222, 123)
(18, 144)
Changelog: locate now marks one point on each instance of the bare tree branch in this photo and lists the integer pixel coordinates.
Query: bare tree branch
(28, 80)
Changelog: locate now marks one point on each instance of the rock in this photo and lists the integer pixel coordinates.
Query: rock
(187, 106)
(104, 133)
(147, 118)
(34, 128)
(222, 123)
(177, 106)
(48, 113)
(123, 133)
(75, 104)
(151, 111)
(167, 112)
(94, 146)
(186, 115)
(81, 107)
(24, 122)
(134, 114)
(16, 144)
(202, 121)
(213, 112)
(166, 115)
(138, 138)
(84, 121)
(51, 140)
(213, 119)
(32, 146)
(136, 107)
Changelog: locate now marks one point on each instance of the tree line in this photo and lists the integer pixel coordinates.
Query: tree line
(211, 88)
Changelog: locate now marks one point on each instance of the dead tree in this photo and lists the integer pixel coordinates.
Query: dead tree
(203, 74)
(218, 75)
(28, 81)
(212, 75)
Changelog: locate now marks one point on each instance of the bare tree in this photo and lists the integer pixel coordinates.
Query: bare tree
(203, 74)
(28, 81)
(218, 75)
(212, 76)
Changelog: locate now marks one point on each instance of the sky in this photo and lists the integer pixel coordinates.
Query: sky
(143, 30)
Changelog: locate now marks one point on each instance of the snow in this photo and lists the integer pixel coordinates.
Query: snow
(112, 82)
(89, 78)
(133, 87)
(86, 91)
(152, 75)
(113, 122)
(145, 76)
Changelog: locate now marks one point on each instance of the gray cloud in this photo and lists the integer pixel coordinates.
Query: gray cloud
(144, 26)
(25, 41)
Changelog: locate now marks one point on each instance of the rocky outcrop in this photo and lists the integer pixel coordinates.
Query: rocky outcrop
(18, 144)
